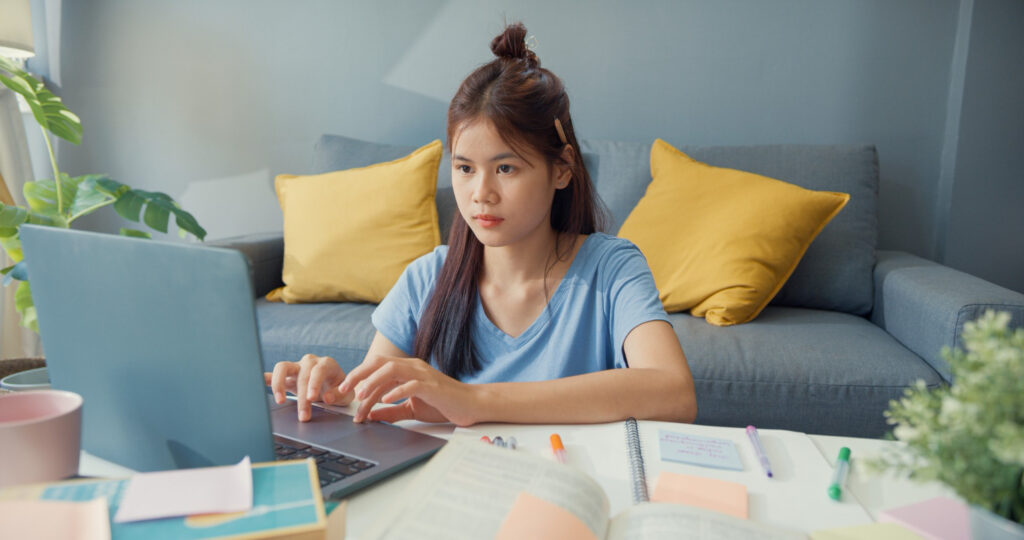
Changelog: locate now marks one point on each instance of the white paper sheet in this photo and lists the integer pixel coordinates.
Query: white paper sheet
(187, 492)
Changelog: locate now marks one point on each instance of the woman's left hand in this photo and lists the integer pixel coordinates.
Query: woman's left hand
(431, 396)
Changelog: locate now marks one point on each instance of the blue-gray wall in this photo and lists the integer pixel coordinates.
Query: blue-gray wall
(186, 91)
(985, 231)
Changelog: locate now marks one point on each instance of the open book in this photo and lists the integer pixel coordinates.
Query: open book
(474, 490)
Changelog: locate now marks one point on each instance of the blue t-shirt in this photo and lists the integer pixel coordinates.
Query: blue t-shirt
(607, 292)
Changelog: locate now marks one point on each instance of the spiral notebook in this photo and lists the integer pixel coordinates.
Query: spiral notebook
(636, 462)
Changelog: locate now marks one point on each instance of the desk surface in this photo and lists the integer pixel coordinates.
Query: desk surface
(873, 491)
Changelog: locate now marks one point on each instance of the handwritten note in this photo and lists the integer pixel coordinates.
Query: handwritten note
(208, 490)
(698, 450)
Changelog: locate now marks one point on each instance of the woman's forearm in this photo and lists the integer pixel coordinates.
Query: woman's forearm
(603, 396)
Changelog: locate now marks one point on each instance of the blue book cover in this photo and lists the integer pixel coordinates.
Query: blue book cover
(286, 501)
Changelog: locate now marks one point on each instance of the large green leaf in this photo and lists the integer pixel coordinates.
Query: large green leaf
(89, 195)
(12, 245)
(47, 108)
(18, 271)
(158, 207)
(25, 306)
(12, 217)
(41, 195)
(132, 233)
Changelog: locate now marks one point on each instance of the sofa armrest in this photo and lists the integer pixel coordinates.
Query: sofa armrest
(924, 304)
(265, 252)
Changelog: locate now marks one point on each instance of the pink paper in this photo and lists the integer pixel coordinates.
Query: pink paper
(711, 493)
(535, 518)
(940, 518)
(55, 519)
(187, 492)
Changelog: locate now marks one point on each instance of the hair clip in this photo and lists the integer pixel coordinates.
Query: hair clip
(561, 133)
(531, 43)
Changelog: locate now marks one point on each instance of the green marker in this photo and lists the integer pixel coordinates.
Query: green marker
(835, 490)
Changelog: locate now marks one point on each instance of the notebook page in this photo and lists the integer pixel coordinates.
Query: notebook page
(599, 450)
(466, 489)
(666, 521)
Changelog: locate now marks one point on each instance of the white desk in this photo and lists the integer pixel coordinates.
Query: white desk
(877, 491)
(872, 491)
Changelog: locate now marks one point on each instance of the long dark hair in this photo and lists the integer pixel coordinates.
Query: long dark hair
(522, 100)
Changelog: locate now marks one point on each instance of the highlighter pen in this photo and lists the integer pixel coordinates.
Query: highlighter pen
(755, 440)
(557, 448)
(835, 490)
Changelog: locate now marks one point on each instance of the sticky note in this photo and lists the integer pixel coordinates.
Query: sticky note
(711, 493)
(936, 518)
(873, 531)
(533, 517)
(699, 450)
(87, 520)
(207, 490)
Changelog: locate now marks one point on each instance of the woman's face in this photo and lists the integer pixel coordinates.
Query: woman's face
(505, 196)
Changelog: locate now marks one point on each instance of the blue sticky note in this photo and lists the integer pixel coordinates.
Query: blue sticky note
(699, 450)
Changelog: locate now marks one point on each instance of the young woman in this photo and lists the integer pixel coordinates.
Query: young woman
(529, 315)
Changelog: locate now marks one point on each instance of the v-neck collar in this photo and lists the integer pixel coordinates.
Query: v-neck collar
(545, 316)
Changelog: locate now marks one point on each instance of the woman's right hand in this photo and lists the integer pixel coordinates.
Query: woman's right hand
(313, 378)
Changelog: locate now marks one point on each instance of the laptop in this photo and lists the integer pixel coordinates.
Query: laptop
(161, 341)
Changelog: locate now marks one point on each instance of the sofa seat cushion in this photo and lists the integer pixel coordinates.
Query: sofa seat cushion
(807, 370)
(342, 331)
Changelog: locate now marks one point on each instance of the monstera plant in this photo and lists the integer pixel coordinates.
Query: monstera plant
(59, 201)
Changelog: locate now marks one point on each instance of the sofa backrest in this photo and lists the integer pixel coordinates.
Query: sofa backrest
(835, 272)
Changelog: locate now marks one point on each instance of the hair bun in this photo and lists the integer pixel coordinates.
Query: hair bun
(511, 43)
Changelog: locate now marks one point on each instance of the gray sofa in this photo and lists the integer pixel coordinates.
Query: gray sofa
(850, 329)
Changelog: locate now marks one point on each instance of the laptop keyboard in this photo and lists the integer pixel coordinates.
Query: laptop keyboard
(330, 466)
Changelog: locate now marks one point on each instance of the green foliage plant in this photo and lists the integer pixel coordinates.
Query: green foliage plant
(57, 202)
(969, 435)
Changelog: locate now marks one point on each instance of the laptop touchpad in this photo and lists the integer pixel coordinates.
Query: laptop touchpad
(322, 428)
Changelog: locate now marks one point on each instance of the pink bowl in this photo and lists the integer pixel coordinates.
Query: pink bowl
(40, 436)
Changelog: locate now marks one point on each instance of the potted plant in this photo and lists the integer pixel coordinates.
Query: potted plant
(59, 201)
(970, 435)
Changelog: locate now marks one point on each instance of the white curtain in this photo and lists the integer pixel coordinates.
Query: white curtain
(16, 169)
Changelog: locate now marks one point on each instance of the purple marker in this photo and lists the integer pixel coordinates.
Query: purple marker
(755, 440)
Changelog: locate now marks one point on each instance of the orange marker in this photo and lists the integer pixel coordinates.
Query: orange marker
(557, 448)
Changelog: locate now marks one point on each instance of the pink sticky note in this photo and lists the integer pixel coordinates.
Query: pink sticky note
(533, 517)
(55, 519)
(940, 518)
(713, 494)
(187, 492)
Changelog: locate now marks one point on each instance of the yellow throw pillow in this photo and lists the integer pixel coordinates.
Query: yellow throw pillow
(722, 242)
(348, 235)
